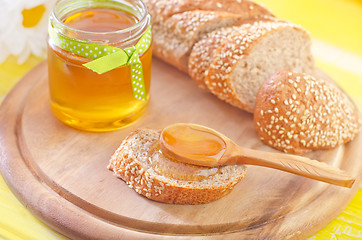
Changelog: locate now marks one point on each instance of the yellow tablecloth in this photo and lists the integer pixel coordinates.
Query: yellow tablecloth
(336, 28)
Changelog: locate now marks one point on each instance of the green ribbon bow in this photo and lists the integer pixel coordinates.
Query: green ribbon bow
(107, 58)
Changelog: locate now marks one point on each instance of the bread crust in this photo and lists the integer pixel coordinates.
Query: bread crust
(174, 39)
(126, 164)
(203, 52)
(161, 10)
(297, 113)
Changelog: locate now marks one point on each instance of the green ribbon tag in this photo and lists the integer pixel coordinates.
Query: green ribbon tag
(107, 58)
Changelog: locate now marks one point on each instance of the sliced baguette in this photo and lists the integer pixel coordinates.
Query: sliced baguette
(297, 113)
(131, 162)
(251, 55)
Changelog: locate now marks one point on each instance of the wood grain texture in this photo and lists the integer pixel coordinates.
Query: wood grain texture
(60, 173)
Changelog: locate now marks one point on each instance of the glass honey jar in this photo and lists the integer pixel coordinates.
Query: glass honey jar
(113, 35)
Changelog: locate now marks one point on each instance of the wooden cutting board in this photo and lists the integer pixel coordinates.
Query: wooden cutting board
(60, 173)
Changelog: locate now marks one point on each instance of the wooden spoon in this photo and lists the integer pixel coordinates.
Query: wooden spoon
(199, 145)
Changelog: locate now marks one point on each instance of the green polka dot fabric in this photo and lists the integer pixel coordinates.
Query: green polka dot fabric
(107, 58)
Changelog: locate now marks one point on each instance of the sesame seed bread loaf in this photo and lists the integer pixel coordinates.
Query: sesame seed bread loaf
(247, 57)
(155, 176)
(179, 24)
(227, 47)
(296, 113)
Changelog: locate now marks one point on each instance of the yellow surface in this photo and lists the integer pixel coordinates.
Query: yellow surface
(338, 22)
(334, 24)
(11, 72)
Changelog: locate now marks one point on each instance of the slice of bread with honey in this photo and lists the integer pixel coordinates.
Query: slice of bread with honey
(140, 163)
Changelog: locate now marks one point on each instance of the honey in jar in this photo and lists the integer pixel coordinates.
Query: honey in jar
(80, 97)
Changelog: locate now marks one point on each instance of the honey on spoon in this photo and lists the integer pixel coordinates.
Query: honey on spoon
(199, 145)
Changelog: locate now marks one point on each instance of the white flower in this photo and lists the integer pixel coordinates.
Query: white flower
(23, 28)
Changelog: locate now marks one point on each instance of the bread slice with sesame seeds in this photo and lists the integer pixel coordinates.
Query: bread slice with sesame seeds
(297, 112)
(203, 51)
(249, 56)
(179, 24)
(145, 169)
